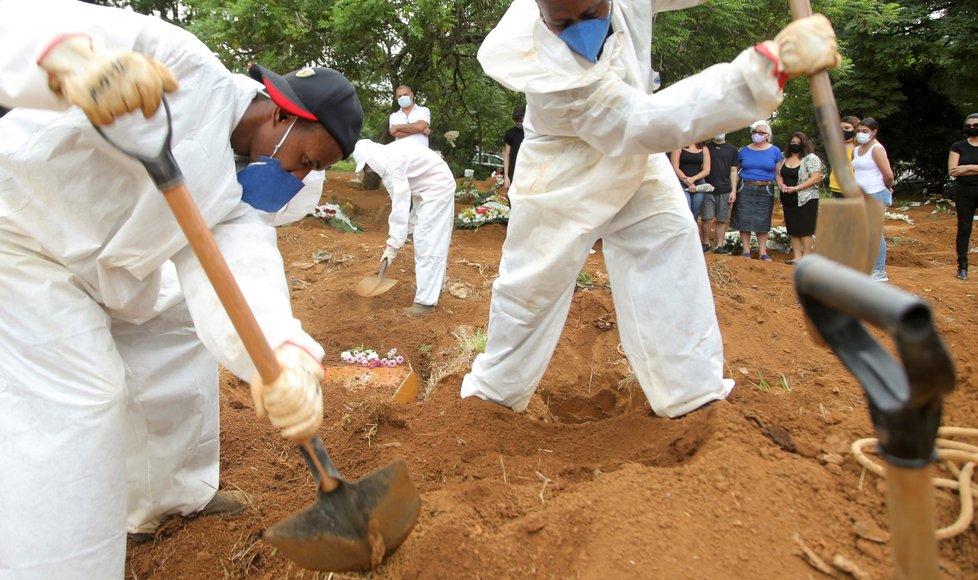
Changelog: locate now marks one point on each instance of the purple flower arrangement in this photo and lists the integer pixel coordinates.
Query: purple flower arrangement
(366, 357)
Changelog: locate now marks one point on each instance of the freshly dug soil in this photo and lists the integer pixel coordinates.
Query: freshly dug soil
(587, 483)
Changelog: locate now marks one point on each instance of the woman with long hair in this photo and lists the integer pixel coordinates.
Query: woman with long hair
(798, 177)
(871, 168)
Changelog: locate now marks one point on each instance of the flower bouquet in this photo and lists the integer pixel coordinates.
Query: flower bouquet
(493, 210)
(777, 239)
(367, 357)
(333, 215)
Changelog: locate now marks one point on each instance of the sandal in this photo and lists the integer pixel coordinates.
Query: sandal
(766, 258)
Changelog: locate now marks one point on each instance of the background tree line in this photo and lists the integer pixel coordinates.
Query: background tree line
(908, 63)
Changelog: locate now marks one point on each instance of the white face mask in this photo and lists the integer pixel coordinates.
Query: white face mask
(404, 101)
(720, 138)
(863, 138)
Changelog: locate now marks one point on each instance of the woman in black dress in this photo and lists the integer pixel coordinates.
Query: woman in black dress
(798, 176)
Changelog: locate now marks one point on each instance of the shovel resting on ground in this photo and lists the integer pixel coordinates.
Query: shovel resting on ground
(351, 525)
(905, 401)
(848, 229)
(375, 285)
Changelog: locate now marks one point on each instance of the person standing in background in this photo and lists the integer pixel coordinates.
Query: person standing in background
(411, 120)
(962, 165)
(798, 177)
(716, 205)
(848, 125)
(513, 139)
(872, 171)
(753, 202)
(692, 165)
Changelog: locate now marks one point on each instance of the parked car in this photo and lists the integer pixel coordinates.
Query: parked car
(486, 163)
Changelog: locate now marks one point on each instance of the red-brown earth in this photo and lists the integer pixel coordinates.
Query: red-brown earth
(587, 483)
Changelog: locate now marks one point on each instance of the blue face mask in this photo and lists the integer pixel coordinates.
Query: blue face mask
(265, 185)
(587, 36)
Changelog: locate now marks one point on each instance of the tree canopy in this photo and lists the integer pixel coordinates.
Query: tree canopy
(906, 62)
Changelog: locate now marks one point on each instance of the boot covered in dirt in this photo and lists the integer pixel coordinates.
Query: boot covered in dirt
(416, 310)
(224, 503)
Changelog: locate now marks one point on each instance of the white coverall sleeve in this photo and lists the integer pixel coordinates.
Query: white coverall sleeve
(397, 185)
(248, 244)
(618, 119)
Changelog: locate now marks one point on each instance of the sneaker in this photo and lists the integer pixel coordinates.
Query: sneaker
(721, 250)
(880, 276)
(416, 310)
(706, 248)
(224, 503)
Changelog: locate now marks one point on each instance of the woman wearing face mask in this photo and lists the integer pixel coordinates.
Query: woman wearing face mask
(962, 165)
(753, 203)
(798, 177)
(849, 124)
(872, 171)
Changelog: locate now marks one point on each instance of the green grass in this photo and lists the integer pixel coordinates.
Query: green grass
(345, 165)
(584, 280)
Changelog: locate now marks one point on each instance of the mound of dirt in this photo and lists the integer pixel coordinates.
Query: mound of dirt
(587, 483)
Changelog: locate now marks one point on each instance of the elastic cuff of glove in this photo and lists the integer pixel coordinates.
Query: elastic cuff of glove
(778, 73)
(305, 350)
(58, 40)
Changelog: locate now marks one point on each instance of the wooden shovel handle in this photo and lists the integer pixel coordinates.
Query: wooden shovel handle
(827, 115)
(205, 248)
(209, 255)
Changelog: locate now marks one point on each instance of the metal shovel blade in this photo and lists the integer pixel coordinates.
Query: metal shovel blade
(375, 285)
(849, 230)
(354, 526)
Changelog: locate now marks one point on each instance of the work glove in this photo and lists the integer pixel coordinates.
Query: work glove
(389, 255)
(105, 84)
(806, 46)
(294, 402)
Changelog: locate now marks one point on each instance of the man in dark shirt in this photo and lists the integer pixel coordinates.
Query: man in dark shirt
(513, 139)
(723, 178)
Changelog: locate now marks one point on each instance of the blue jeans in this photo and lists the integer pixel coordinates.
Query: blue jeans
(695, 200)
(885, 196)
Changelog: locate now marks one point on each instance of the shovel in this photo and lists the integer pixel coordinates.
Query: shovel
(848, 229)
(350, 526)
(375, 285)
(905, 400)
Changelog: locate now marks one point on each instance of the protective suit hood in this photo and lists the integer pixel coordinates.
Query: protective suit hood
(366, 152)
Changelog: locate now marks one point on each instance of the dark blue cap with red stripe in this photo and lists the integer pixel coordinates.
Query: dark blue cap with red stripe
(317, 94)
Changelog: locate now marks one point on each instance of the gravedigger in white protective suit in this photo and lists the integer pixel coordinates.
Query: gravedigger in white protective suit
(591, 167)
(421, 184)
(110, 333)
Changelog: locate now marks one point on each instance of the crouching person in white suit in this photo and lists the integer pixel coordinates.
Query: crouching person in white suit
(110, 332)
(592, 167)
(415, 177)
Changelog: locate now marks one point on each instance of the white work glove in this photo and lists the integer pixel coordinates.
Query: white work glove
(806, 46)
(389, 255)
(294, 402)
(105, 84)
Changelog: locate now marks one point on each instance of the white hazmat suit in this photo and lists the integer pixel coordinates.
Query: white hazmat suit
(416, 177)
(592, 167)
(104, 310)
